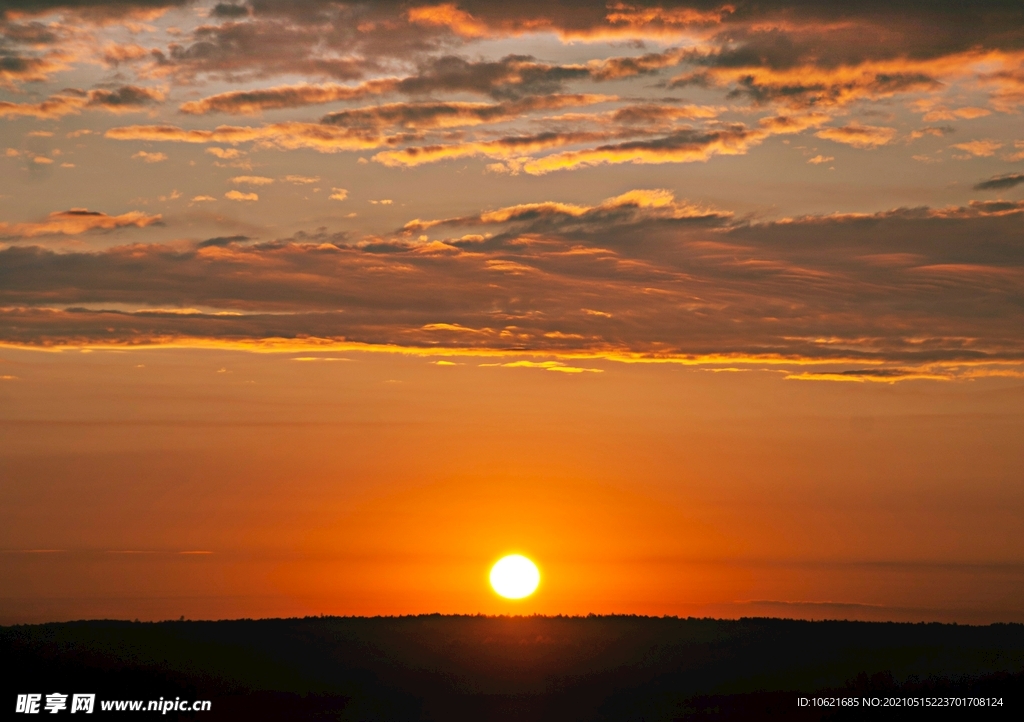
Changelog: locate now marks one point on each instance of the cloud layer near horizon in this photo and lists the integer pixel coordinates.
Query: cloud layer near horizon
(640, 274)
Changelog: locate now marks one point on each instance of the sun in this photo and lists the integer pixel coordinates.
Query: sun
(515, 577)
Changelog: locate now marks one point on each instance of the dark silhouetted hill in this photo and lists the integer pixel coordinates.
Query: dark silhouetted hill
(614, 668)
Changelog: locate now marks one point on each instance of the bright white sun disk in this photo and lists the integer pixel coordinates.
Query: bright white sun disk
(515, 577)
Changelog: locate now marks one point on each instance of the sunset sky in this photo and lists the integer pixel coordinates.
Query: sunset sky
(322, 307)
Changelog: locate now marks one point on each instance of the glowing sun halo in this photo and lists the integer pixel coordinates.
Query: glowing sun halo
(515, 577)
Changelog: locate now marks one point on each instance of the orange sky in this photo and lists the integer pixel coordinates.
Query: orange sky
(389, 484)
(322, 307)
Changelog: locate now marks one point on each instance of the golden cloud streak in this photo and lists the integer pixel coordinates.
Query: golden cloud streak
(859, 136)
(823, 370)
(253, 102)
(505, 148)
(699, 149)
(624, 21)
(286, 135)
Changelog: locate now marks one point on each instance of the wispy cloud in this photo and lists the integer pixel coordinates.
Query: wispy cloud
(1000, 182)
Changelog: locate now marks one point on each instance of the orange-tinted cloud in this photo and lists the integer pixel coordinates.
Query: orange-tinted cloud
(1007, 85)
(449, 16)
(649, 204)
(288, 135)
(808, 83)
(115, 54)
(15, 69)
(640, 275)
(150, 157)
(967, 112)
(240, 196)
(98, 11)
(253, 102)
(980, 148)
(77, 221)
(54, 107)
(614, 21)
(507, 148)
(795, 123)
(454, 114)
(652, 114)
(252, 180)
(511, 76)
(127, 98)
(858, 135)
(681, 145)
(684, 146)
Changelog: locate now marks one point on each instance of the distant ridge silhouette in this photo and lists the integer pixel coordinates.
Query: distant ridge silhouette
(434, 667)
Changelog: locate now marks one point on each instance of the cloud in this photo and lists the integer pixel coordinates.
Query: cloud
(684, 146)
(794, 54)
(301, 179)
(946, 114)
(507, 148)
(793, 123)
(342, 41)
(510, 77)
(557, 366)
(240, 196)
(252, 180)
(1007, 85)
(819, 159)
(224, 153)
(636, 205)
(229, 10)
(936, 131)
(150, 157)
(453, 114)
(449, 16)
(654, 114)
(253, 102)
(115, 54)
(811, 85)
(894, 294)
(517, 76)
(54, 107)
(97, 10)
(611, 22)
(338, 194)
(15, 69)
(286, 136)
(127, 98)
(76, 221)
(980, 148)
(859, 136)
(1000, 182)
(221, 241)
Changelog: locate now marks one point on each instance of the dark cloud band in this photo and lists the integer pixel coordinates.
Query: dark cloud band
(639, 274)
